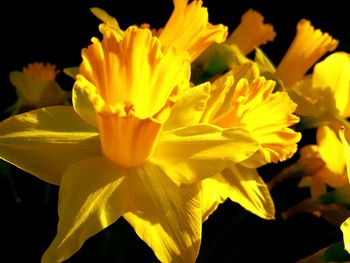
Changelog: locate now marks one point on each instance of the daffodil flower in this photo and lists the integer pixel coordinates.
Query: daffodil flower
(323, 102)
(252, 32)
(266, 116)
(323, 97)
(253, 107)
(307, 47)
(36, 87)
(187, 29)
(111, 156)
(320, 165)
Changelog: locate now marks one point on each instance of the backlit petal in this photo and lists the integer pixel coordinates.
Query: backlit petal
(188, 29)
(47, 141)
(92, 196)
(264, 63)
(110, 23)
(345, 228)
(189, 107)
(334, 73)
(331, 150)
(193, 153)
(81, 103)
(166, 216)
(240, 184)
(346, 150)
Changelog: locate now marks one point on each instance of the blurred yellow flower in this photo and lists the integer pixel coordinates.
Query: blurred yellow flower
(116, 159)
(36, 87)
(187, 29)
(323, 97)
(251, 32)
(320, 165)
(308, 46)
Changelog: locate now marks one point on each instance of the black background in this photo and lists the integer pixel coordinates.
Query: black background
(55, 32)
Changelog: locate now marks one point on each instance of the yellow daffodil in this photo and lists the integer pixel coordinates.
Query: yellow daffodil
(36, 87)
(308, 46)
(320, 165)
(324, 96)
(251, 32)
(254, 107)
(323, 167)
(188, 28)
(266, 116)
(111, 155)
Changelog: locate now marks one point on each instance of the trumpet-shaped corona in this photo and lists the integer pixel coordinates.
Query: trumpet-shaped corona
(308, 46)
(251, 32)
(125, 78)
(266, 115)
(188, 29)
(36, 86)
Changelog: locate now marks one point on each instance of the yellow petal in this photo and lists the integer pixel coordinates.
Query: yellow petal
(104, 16)
(331, 150)
(81, 102)
(71, 72)
(345, 228)
(36, 85)
(264, 63)
(132, 84)
(189, 107)
(251, 32)
(266, 115)
(193, 153)
(93, 195)
(312, 101)
(248, 70)
(166, 216)
(145, 82)
(346, 150)
(219, 100)
(47, 141)
(223, 90)
(334, 73)
(110, 23)
(188, 29)
(308, 46)
(241, 185)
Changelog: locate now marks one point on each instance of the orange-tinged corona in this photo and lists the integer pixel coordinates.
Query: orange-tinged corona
(133, 89)
(189, 29)
(251, 32)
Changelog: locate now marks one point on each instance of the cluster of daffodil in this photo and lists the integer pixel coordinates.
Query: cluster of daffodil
(167, 124)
